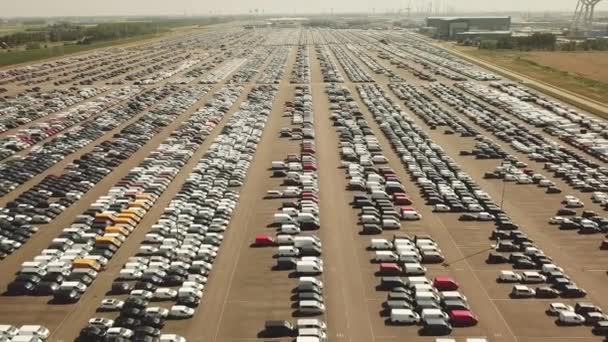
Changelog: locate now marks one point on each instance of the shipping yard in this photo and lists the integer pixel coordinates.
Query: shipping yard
(297, 184)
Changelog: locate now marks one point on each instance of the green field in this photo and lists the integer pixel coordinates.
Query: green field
(17, 57)
(582, 73)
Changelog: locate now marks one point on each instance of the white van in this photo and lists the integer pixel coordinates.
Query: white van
(311, 323)
(414, 269)
(311, 307)
(453, 295)
(282, 218)
(26, 338)
(426, 296)
(412, 281)
(404, 316)
(570, 318)
(304, 281)
(288, 251)
(73, 285)
(380, 244)
(308, 267)
(508, 277)
(369, 219)
(385, 256)
(390, 224)
(379, 194)
(302, 241)
(434, 314)
(278, 165)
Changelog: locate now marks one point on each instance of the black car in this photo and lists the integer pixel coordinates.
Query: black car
(572, 291)
(436, 327)
(92, 333)
(600, 328)
(66, 296)
(144, 285)
(189, 301)
(155, 321)
(547, 292)
(121, 287)
(17, 288)
(496, 258)
(147, 330)
(127, 322)
(278, 329)
(46, 288)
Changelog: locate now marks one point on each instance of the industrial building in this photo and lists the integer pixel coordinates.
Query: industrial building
(287, 22)
(450, 27)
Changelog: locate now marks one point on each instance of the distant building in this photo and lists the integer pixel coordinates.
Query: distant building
(287, 22)
(450, 27)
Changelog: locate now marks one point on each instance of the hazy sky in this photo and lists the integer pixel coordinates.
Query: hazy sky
(172, 7)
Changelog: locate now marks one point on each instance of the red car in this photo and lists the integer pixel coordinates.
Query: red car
(264, 241)
(463, 318)
(390, 269)
(401, 200)
(445, 283)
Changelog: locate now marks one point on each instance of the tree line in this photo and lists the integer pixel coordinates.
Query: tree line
(544, 41)
(64, 32)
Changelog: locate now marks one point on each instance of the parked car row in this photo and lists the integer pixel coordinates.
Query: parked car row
(405, 61)
(441, 57)
(25, 333)
(588, 223)
(273, 73)
(298, 250)
(580, 130)
(408, 302)
(443, 183)
(44, 201)
(223, 71)
(578, 171)
(255, 60)
(370, 62)
(61, 121)
(177, 254)
(429, 111)
(72, 261)
(512, 172)
(329, 69)
(301, 70)
(34, 104)
(354, 72)
(579, 314)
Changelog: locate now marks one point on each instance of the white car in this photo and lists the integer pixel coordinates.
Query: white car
(181, 311)
(119, 332)
(142, 293)
(110, 304)
(34, 330)
(557, 220)
(440, 208)
(157, 311)
(171, 338)
(556, 308)
(164, 293)
(509, 277)
(104, 322)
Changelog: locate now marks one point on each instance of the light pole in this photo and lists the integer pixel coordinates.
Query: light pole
(502, 197)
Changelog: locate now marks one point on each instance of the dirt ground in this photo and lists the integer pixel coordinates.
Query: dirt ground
(584, 73)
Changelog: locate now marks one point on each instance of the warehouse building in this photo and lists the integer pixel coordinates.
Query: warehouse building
(450, 27)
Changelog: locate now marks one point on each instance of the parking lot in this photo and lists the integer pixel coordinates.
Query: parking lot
(195, 135)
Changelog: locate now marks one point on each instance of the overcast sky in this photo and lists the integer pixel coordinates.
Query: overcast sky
(171, 7)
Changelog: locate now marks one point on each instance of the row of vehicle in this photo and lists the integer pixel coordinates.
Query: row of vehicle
(25, 333)
(517, 173)
(60, 121)
(579, 314)
(34, 104)
(441, 180)
(55, 193)
(354, 72)
(369, 61)
(430, 112)
(301, 70)
(329, 69)
(81, 250)
(440, 57)
(588, 223)
(405, 61)
(583, 131)
(273, 73)
(223, 71)
(177, 254)
(580, 173)
(255, 60)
